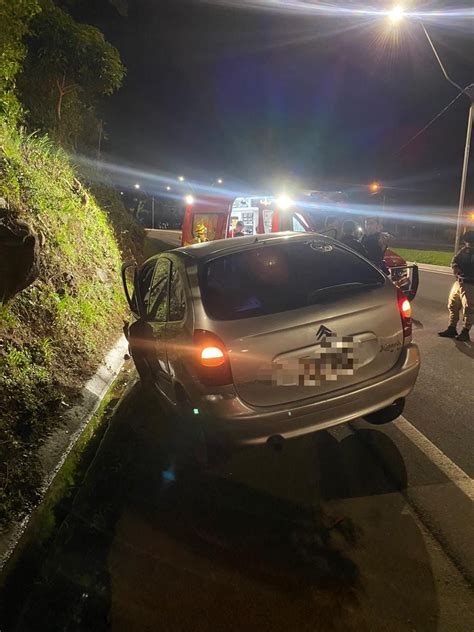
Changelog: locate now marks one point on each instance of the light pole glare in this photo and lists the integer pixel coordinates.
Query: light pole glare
(137, 186)
(396, 14)
(168, 188)
(284, 202)
(374, 187)
(181, 178)
(220, 180)
(189, 199)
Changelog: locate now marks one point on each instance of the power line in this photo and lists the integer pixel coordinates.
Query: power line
(423, 129)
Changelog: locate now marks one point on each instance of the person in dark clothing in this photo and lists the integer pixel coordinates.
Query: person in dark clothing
(374, 243)
(349, 229)
(239, 229)
(462, 291)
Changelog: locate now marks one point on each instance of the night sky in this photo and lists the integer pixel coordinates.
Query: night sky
(258, 96)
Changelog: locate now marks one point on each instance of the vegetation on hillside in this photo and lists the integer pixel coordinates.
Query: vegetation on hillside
(15, 17)
(53, 333)
(62, 237)
(69, 66)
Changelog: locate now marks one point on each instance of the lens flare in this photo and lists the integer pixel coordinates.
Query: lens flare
(396, 14)
(156, 183)
(284, 202)
(328, 9)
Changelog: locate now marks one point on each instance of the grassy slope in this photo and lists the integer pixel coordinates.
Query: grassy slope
(54, 333)
(434, 257)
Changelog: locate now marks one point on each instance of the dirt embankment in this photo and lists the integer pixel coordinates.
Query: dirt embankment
(61, 304)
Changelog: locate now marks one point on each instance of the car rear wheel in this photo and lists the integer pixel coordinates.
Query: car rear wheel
(388, 414)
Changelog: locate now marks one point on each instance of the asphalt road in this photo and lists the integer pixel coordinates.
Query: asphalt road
(159, 240)
(354, 529)
(319, 536)
(442, 405)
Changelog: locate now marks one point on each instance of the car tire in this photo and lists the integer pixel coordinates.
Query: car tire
(388, 414)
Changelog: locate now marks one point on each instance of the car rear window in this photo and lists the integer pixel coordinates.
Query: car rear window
(276, 278)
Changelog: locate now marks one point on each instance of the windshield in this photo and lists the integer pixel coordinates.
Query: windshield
(278, 278)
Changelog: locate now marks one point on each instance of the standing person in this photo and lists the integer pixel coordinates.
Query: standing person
(462, 292)
(374, 242)
(349, 229)
(200, 233)
(239, 229)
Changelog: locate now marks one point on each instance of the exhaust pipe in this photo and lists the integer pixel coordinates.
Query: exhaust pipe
(276, 442)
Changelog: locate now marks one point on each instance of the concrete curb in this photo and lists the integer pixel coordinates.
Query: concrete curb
(54, 451)
(427, 267)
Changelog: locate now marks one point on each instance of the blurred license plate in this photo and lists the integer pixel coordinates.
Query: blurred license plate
(334, 358)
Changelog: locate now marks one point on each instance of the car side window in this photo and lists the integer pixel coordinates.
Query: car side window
(177, 296)
(145, 276)
(157, 298)
(297, 225)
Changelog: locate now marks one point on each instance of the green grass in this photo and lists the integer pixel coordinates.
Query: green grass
(433, 257)
(54, 333)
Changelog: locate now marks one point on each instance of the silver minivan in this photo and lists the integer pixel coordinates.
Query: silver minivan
(271, 336)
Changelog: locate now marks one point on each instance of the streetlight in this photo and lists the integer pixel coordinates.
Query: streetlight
(137, 187)
(374, 187)
(395, 16)
(189, 200)
(220, 181)
(284, 202)
(168, 188)
(181, 178)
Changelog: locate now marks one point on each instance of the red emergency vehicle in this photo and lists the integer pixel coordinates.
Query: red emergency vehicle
(215, 217)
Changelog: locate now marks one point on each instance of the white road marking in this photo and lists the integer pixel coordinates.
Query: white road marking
(455, 474)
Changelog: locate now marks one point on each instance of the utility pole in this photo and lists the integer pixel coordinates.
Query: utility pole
(153, 211)
(469, 92)
(465, 169)
(101, 131)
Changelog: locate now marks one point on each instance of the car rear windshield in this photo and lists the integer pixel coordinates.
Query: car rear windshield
(280, 277)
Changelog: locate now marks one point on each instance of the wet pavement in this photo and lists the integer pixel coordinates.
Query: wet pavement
(315, 536)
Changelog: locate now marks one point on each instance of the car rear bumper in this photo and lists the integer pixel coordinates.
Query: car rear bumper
(230, 419)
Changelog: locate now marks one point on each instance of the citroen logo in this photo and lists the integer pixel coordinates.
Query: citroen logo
(323, 332)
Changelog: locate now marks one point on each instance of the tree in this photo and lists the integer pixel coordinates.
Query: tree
(69, 66)
(15, 17)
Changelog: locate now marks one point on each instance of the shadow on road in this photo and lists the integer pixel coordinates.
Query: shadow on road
(313, 538)
(417, 323)
(467, 348)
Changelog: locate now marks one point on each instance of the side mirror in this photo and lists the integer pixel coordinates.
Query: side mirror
(131, 288)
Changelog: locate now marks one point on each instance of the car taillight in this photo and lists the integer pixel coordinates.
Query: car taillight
(404, 307)
(212, 356)
(213, 363)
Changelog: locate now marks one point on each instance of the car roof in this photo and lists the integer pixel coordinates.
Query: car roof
(209, 249)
